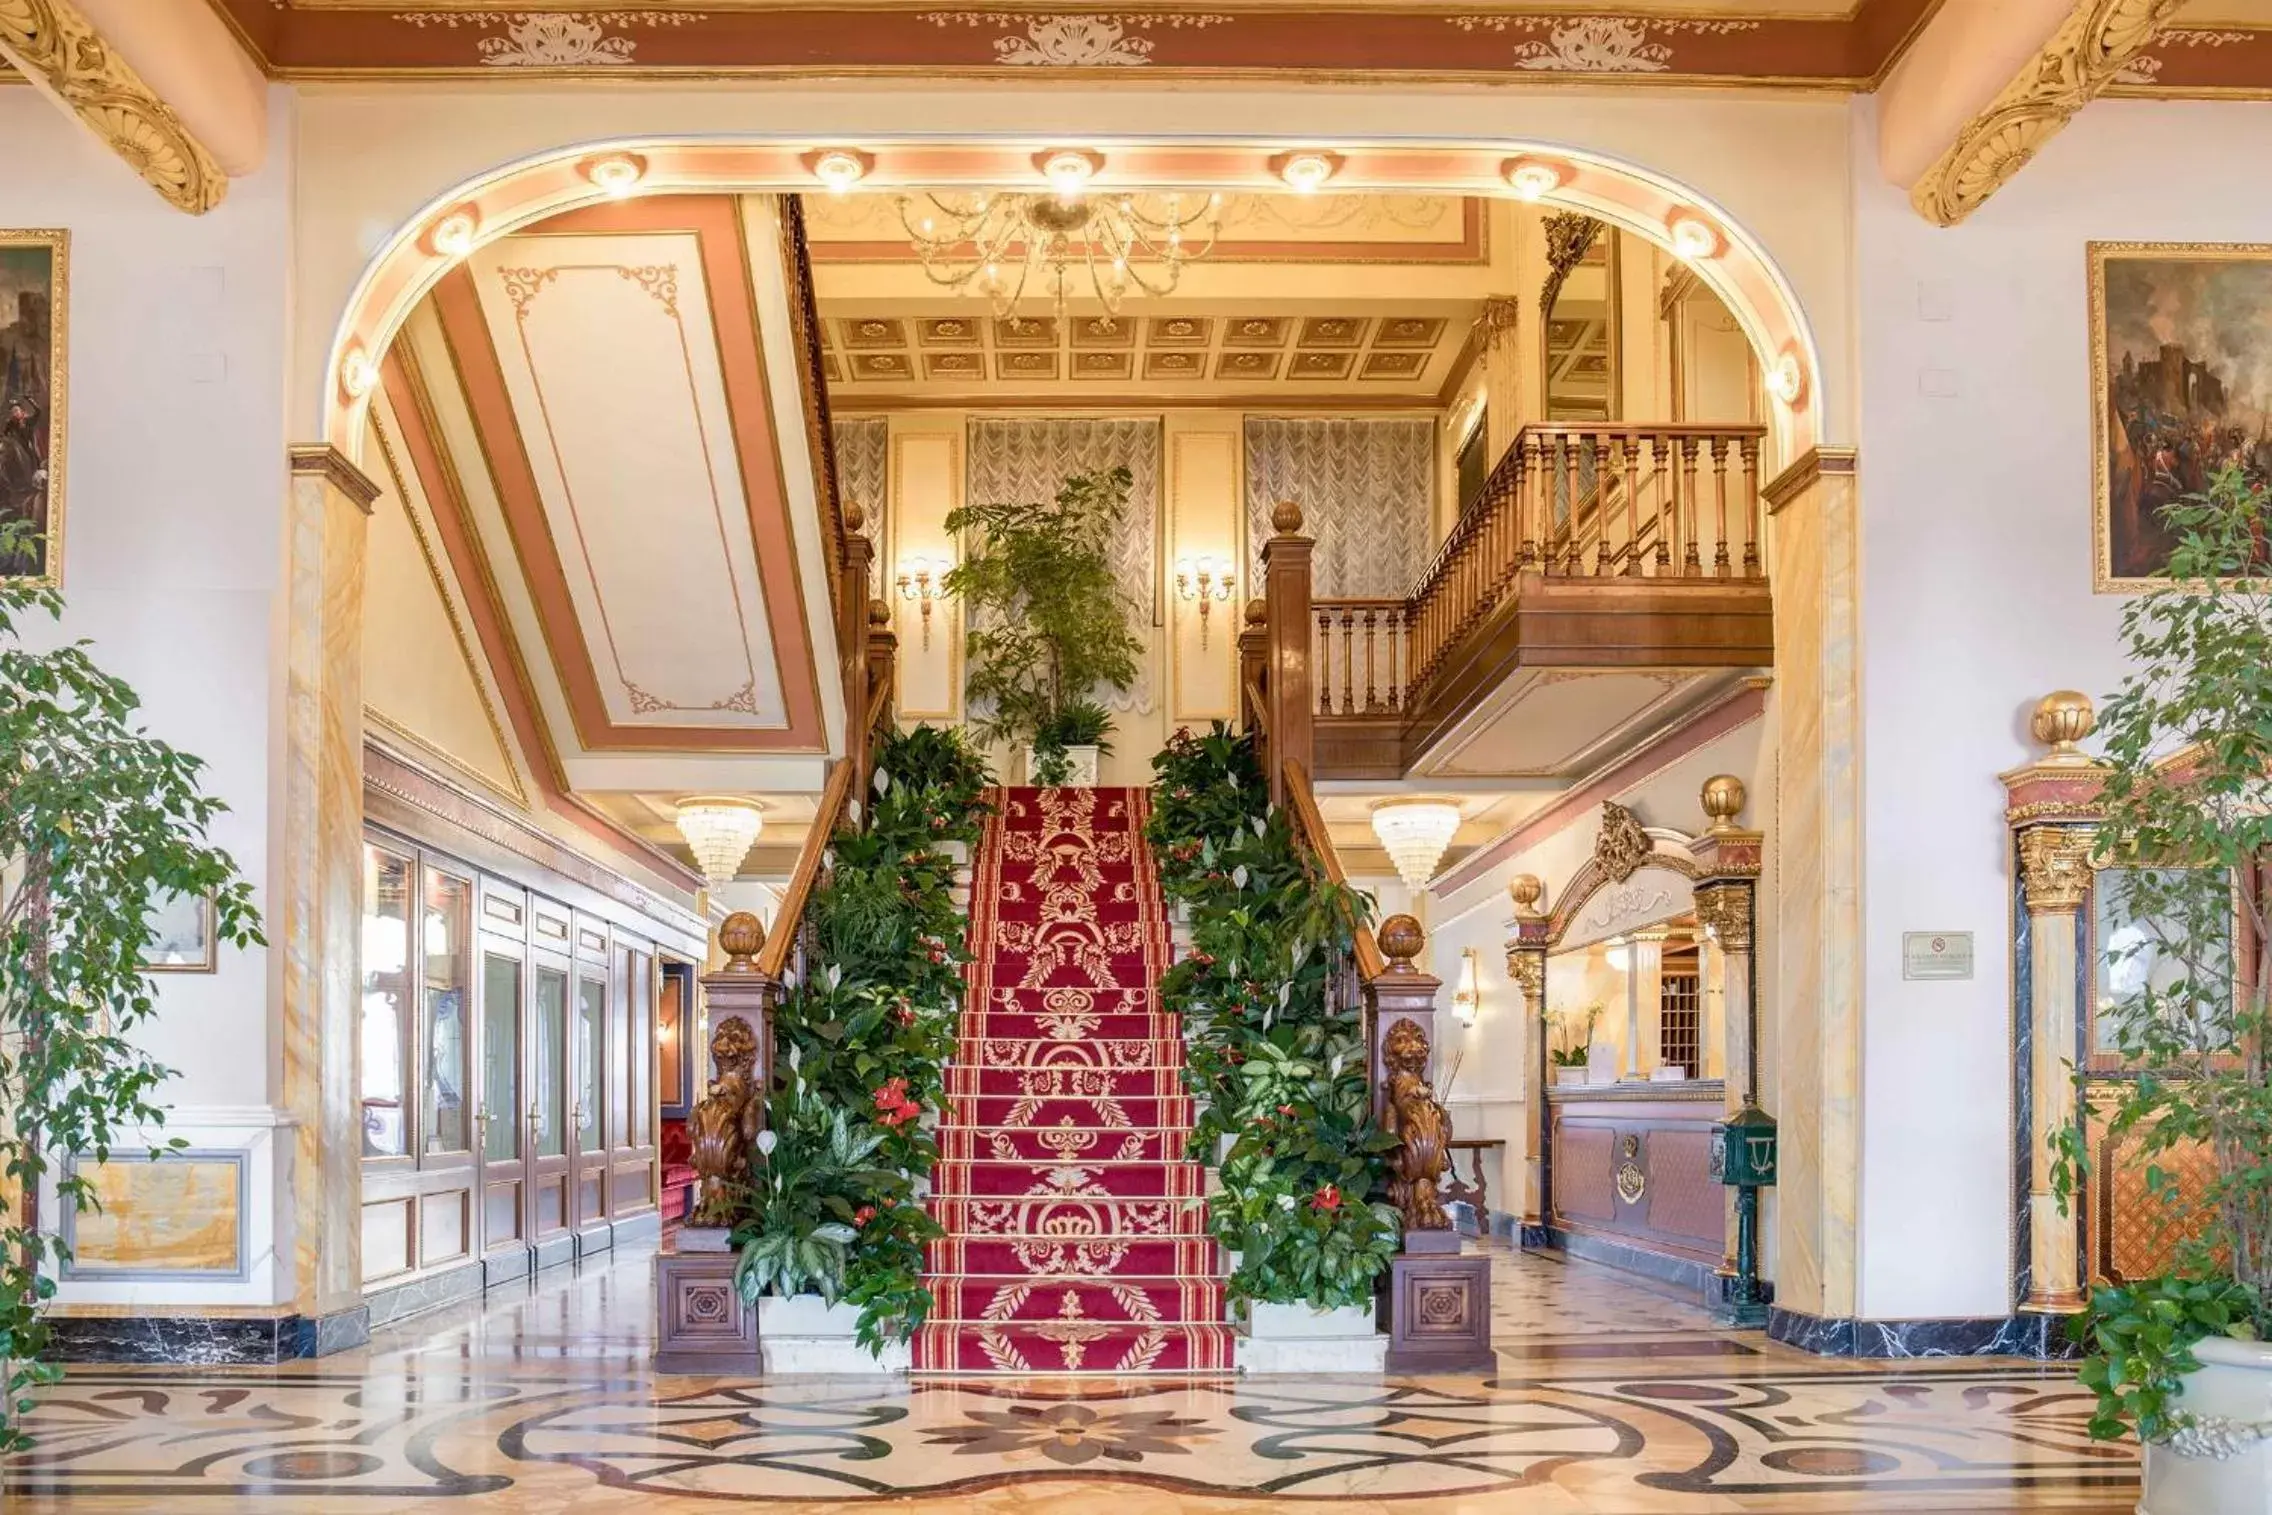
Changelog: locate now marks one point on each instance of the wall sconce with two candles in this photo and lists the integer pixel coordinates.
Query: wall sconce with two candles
(919, 580)
(1205, 580)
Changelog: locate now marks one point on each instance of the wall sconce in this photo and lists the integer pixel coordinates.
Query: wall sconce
(1205, 580)
(1467, 997)
(919, 580)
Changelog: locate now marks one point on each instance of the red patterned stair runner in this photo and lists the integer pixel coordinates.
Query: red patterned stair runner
(1075, 1241)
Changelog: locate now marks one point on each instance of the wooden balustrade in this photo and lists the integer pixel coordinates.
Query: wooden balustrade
(1364, 655)
(1593, 501)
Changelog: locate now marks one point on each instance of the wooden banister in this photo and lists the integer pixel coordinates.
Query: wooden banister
(1309, 827)
(773, 962)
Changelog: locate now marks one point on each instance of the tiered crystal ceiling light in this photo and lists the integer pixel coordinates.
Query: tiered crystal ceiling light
(1007, 244)
(1415, 833)
(719, 830)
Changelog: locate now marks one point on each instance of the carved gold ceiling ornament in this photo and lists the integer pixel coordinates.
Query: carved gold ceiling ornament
(2055, 866)
(2090, 48)
(51, 41)
(1623, 846)
(1569, 236)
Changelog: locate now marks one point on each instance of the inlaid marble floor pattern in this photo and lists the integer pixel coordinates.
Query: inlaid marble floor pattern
(1611, 1396)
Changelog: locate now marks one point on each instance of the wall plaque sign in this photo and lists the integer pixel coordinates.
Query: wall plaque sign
(1936, 954)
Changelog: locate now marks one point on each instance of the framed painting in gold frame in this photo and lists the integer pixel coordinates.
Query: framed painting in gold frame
(181, 935)
(35, 282)
(2181, 384)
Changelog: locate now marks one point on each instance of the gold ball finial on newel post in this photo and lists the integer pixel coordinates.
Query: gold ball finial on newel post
(855, 518)
(1401, 941)
(1257, 613)
(1527, 892)
(741, 936)
(2062, 719)
(1286, 518)
(1723, 799)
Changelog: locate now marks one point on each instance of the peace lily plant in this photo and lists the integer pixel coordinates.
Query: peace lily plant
(2184, 846)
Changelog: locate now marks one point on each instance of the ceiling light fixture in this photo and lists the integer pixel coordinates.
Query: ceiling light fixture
(1534, 178)
(453, 234)
(357, 373)
(719, 830)
(1693, 237)
(1305, 173)
(1415, 833)
(839, 167)
(1006, 244)
(616, 174)
(1787, 378)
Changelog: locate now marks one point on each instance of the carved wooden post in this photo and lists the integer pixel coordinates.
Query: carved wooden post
(1286, 693)
(1526, 966)
(1727, 882)
(702, 1324)
(883, 674)
(1254, 662)
(853, 626)
(1439, 1302)
(2053, 806)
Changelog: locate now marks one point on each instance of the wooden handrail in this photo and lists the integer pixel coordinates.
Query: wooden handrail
(790, 918)
(1309, 826)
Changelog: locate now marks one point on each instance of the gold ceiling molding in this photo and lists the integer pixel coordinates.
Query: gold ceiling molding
(2081, 59)
(54, 43)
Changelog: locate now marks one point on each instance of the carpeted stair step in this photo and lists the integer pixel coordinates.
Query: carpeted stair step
(1089, 1258)
(1130, 1053)
(1106, 1112)
(1056, 1147)
(980, 1298)
(1058, 1347)
(1065, 1081)
(1069, 1218)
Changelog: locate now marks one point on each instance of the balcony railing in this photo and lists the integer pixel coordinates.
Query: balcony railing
(1671, 503)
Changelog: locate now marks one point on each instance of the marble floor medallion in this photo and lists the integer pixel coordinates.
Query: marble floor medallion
(1610, 1397)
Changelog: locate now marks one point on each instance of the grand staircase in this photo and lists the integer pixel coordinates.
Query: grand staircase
(1075, 1234)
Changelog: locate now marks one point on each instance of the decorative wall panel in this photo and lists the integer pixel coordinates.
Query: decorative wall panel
(1018, 460)
(1367, 489)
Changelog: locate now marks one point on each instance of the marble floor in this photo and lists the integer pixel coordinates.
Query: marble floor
(1610, 1396)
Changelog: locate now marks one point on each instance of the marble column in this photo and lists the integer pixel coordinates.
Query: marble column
(1526, 969)
(1644, 1000)
(1817, 911)
(2052, 806)
(1503, 414)
(1727, 882)
(316, 886)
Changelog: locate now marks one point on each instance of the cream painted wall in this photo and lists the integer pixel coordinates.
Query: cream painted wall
(1976, 589)
(173, 505)
(372, 158)
(1496, 1049)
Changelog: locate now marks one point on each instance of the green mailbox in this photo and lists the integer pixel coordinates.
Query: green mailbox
(1743, 1148)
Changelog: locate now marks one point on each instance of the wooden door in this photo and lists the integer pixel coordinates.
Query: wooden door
(499, 1119)
(632, 1174)
(588, 1112)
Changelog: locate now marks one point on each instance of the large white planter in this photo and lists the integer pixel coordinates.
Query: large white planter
(1300, 1339)
(1084, 774)
(2232, 1398)
(806, 1334)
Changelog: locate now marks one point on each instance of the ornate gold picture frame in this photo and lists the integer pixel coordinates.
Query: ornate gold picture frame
(35, 281)
(2179, 333)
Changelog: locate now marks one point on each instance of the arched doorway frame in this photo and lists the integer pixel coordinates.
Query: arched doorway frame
(1726, 256)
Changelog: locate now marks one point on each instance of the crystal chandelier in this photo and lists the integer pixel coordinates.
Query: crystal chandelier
(1415, 833)
(719, 831)
(1064, 244)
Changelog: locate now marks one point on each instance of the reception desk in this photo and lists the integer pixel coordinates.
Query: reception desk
(1631, 1180)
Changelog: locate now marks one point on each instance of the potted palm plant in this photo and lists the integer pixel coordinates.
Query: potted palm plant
(1048, 623)
(2181, 1360)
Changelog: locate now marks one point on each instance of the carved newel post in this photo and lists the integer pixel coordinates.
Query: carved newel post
(1439, 1302)
(702, 1325)
(1254, 662)
(1287, 700)
(2053, 808)
(1727, 886)
(1526, 969)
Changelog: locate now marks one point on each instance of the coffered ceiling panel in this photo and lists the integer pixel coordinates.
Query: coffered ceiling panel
(617, 394)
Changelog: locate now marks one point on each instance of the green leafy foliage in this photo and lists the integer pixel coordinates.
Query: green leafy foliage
(97, 820)
(1274, 1050)
(861, 1045)
(2188, 747)
(1048, 623)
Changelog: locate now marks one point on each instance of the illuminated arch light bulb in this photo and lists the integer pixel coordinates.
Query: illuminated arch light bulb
(453, 235)
(1534, 178)
(839, 168)
(1305, 173)
(357, 373)
(1787, 378)
(1069, 169)
(1693, 237)
(616, 173)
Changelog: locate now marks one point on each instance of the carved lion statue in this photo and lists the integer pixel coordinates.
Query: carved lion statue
(726, 1122)
(1422, 1129)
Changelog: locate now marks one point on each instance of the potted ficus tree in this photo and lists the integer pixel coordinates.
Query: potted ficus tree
(99, 821)
(1048, 623)
(2181, 1360)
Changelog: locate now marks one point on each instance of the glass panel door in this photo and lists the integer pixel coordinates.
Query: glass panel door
(504, 1171)
(548, 1102)
(445, 1119)
(591, 1102)
(385, 1030)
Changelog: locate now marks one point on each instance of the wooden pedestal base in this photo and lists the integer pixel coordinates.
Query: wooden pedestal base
(1439, 1308)
(703, 1326)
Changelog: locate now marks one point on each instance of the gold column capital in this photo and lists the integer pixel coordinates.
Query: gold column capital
(323, 461)
(1724, 910)
(1526, 967)
(57, 47)
(2055, 867)
(1502, 315)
